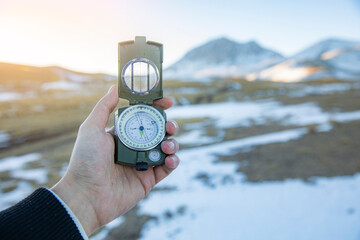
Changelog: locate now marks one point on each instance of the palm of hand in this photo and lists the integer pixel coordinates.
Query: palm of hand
(113, 189)
(107, 189)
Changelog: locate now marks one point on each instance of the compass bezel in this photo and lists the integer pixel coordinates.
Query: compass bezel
(127, 114)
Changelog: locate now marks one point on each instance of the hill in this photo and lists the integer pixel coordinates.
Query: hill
(223, 57)
(330, 58)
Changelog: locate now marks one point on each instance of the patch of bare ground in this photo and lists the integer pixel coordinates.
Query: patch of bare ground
(131, 228)
(343, 101)
(328, 154)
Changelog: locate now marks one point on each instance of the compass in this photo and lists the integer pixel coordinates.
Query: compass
(140, 128)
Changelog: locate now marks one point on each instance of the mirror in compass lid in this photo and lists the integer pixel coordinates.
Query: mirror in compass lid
(140, 76)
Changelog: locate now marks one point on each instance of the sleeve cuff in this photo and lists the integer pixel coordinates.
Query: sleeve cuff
(72, 215)
(41, 215)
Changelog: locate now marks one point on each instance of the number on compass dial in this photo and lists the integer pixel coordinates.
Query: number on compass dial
(140, 127)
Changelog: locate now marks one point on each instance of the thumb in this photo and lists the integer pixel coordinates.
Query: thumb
(102, 110)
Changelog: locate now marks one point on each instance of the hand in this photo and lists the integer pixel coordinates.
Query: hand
(95, 188)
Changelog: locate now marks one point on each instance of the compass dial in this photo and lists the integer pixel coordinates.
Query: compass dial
(140, 127)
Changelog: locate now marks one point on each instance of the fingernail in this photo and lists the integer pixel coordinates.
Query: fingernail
(176, 126)
(176, 161)
(171, 145)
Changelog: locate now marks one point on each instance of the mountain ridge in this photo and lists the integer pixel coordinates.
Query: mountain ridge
(222, 57)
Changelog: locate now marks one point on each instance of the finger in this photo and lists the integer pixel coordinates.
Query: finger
(162, 171)
(170, 146)
(102, 110)
(171, 127)
(163, 103)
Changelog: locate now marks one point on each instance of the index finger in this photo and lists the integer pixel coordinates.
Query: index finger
(163, 103)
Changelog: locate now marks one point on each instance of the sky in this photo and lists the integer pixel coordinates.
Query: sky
(82, 35)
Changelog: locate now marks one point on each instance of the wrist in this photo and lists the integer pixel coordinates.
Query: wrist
(79, 202)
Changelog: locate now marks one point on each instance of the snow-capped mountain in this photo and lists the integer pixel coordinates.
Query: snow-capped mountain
(223, 57)
(331, 58)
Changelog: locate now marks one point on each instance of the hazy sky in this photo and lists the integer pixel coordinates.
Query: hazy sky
(83, 34)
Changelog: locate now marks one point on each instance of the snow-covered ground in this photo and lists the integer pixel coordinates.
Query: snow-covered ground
(230, 208)
(61, 85)
(323, 89)
(225, 206)
(235, 114)
(328, 208)
(9, 96)
(4, 138)
(15, 166)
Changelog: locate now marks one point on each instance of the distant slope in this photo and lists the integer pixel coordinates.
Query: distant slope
(222, 57)
(25, 77)
(331, 58)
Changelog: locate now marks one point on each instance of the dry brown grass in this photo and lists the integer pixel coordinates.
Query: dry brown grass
(333, 153)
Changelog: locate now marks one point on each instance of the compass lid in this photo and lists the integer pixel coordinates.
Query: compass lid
(140, 71)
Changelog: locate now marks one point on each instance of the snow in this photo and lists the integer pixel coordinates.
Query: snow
(10, 96)
(225, 147)
(39, 175)
(4, 138)
(230, 208)
(183, 101)
(331, 54)
(105, 231)
(9, 198)
(315, 51)
(327, 209)
(200, 159)
(235, 114)
(346, 117)
(72, 76)
(15, 165)
(225, 206)
(212, 200)
(283, 72)
(323, 89)
(348, 60)
(325, 127)
(61, 85)
(227, 114)
(195, 138)
(327, 59)
(16, 162)
(185, 90)
(220, 58)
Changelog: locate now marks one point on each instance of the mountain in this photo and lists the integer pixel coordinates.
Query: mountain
(24, 77)
(223, 57)
(331, 58)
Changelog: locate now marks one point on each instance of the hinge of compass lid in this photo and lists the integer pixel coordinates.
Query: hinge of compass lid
(140, 71)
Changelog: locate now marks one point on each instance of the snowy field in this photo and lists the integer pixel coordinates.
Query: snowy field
(230, 208)
(327, 208)
(226, 206)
